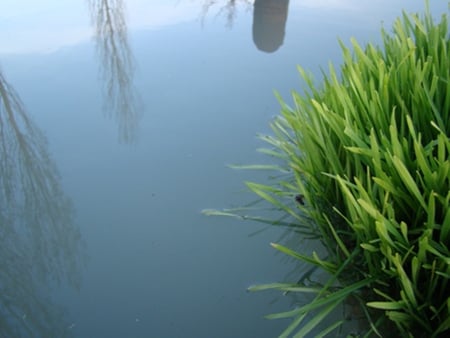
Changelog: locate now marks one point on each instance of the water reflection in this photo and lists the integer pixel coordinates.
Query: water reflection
(40, 245)
(229, 9)
(269, 20)
(116, 65)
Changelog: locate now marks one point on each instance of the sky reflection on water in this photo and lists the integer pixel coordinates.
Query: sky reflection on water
(47, 25)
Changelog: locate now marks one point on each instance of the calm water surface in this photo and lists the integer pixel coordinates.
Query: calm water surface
(116, 128)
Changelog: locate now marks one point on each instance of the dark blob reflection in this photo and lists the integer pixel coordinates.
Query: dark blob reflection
(116, 65)
(40, 245)
(269, 23)
(269, 20)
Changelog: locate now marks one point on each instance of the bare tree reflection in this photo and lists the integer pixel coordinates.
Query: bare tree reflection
(227, 8)
(116, 65)
(40, 245)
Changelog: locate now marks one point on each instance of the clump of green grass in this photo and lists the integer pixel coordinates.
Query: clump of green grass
(368, 152)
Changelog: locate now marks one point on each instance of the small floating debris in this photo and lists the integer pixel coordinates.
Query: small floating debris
(300, 199)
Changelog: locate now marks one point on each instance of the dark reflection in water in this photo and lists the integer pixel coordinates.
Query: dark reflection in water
(40, 245)
(116, 65)
(269, 22)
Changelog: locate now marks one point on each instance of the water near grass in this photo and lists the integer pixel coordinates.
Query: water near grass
(117, 121)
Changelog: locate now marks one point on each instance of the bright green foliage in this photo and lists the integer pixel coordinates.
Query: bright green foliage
(370, 152)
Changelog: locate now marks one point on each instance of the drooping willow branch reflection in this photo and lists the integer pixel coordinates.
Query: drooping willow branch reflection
(116, 65)
(40, 243)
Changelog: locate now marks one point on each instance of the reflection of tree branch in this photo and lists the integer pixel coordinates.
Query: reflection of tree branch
(23, 310)
(30, 186)
(40, 244)
(117, 64)
(229, 9)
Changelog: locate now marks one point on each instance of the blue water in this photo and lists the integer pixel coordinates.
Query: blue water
(111, 202)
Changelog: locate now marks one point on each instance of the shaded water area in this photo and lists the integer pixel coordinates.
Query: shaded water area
(117, 122)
